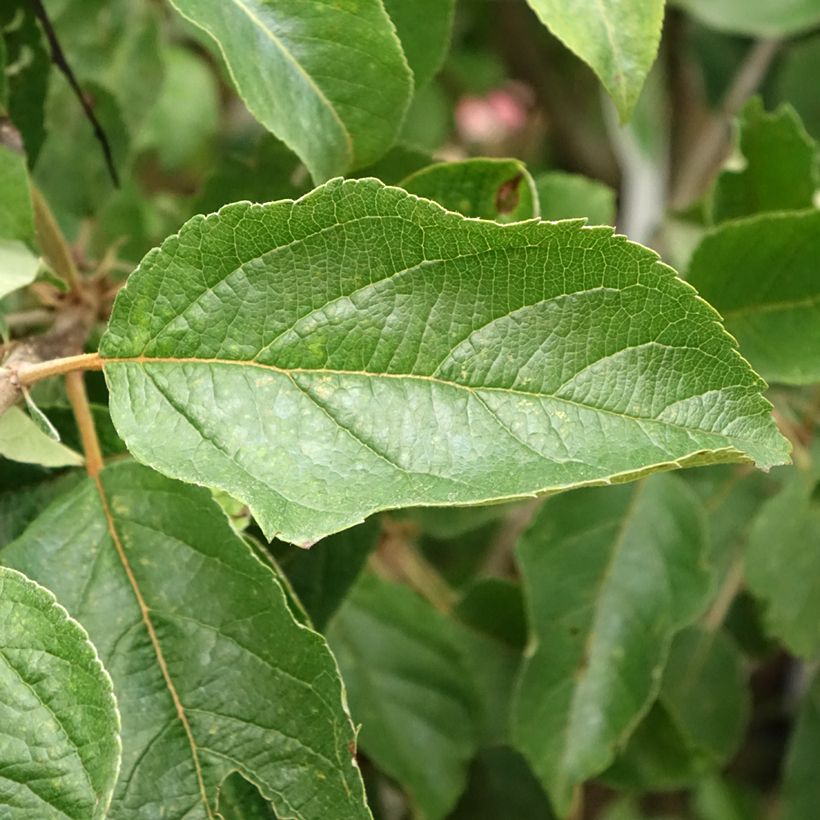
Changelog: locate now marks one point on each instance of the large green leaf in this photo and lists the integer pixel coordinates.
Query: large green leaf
(211, 672)
(761, 275)
(610, 576)
(408, 687)
(759, 18)
(424, 28)
(570, 196)
(330, 80)
(801, 786)
(783, 564)
(618, 39)
(780, 172)
(59, 746)
(499, 189)
(362, 349)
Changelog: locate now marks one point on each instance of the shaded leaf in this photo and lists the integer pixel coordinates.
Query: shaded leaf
(211, 672)
(783, 564)
(609, 577)
(424, 28)
(801, 786)
(568, 196)
(60, 748)
(330, 81)
(16, 213)
(499, 189)
(318, 400)
(761, 275)
(758, 18)
(618, 39)
(408, 688)
(18, 267)
(780, 172)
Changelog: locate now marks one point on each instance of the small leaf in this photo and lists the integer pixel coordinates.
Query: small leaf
(498, 189)
(407, 687)
(780, 172)
(761, 275)
(59, 748)
(755, 18)
(618, 39)
(609, 576)
(329, 80)
(211, 672)
(21, 439)
(16, 212)
(783, 564)
(427, 359)
(801, 786)
(568, 196)
(18, 266)
(424, 28)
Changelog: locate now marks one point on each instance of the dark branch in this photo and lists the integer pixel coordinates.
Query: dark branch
(59, 59)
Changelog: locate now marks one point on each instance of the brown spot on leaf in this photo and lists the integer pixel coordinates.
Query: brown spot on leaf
(507, 197)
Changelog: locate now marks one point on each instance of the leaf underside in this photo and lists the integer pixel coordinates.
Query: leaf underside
(363, 349)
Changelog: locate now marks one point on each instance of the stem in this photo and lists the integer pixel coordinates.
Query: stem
(732, 584)
(707, 153)
(52, 242)
(30, 373)
(78, 398)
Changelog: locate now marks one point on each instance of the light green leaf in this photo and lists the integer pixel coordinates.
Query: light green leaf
(755, 18)
(618, 39)
(408, 688)
(780, 172)
(568, 196)
(211, 672)
(16, 212)
(330, 80)
(609, 576)
(698, 720)
(498, 189)
(361, 349)
(59, 747)
(21, 439)
(801, 786)
(783, 564)
(18, 266)
(760, 273)
(424, 28)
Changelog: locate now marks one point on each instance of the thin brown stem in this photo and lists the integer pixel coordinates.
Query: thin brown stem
(732, 584)
(78, 398)
(709, 150)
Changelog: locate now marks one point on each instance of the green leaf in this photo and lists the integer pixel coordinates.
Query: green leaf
(783, 564)
(794, 81)
(618, 39)
(18, 266)
(211, 672)
(322, 576)
(760, 273)
(698, 720)
(240, 800)
(59, 748)
(424, 28)
(502, 786)
(16, 212)
(499, 189)
(21, 439)
(780, 172)
(320, 398)
(407, 686)
(801, 786)
(755, 18)
(609, 576)
(568, 196)
(329, 80)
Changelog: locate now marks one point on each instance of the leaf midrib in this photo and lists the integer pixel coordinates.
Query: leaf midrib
(290, 372)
